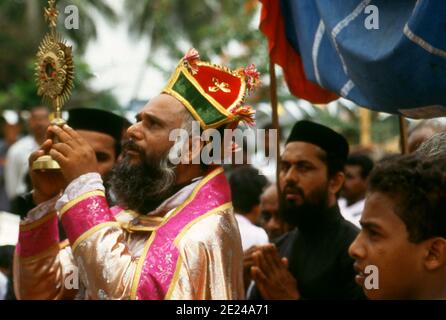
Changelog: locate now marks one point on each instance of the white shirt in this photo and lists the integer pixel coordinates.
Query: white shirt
(9, 228)
(251, 234)
(352, 213)
(3, 286)
(16, 167)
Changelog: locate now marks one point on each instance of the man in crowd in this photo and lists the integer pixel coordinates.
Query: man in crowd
(247, 185)
(16, 167)
(400, 252)
(312, 261)
(357, 170)
(6, 288)
(423, 131)
(271, 220)
(177, 237)
(103, 131)
(434, 147)
(10, 128)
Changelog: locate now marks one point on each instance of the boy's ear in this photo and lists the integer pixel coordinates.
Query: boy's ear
(436, 253)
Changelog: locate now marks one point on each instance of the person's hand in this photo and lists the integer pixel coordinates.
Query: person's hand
(46, 183)
(74, 155)
(248, 262)
(272, 277)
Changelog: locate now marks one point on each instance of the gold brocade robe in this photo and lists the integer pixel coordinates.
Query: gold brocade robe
(104, 262)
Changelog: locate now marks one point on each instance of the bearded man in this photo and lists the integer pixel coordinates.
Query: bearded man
(312, 261)
(174, 235)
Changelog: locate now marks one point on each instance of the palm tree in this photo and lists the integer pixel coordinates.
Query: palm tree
(209, 25)
(87, 30)
(22, 27)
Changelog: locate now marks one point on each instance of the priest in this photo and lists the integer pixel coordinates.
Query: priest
(173, 235)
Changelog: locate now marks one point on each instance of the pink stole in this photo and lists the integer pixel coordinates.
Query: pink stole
(158, 263)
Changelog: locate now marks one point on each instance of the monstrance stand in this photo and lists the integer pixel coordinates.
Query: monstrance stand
(54, 77)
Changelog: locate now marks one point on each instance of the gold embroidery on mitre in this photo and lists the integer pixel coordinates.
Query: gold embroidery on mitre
(223, 86)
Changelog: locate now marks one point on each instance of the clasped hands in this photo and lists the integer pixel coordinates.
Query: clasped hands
(270, 273)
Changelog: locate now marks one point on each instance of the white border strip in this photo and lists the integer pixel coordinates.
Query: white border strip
(348, 86)
(422, 43)
(344, 23)
(316, 45)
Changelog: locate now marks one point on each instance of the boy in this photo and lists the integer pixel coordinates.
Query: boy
(404, 231)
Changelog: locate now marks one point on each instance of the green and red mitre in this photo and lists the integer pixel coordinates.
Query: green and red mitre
(214, 95)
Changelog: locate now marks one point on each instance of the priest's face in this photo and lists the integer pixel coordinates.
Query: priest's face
(154, 123)
(387, 264)
(303, 181)
(145, 177)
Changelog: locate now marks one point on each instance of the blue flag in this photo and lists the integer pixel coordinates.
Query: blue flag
(387, 56)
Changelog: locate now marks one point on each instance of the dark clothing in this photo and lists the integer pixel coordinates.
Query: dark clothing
(4, 200)
(318, 258)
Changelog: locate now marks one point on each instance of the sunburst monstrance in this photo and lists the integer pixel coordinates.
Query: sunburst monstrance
(54, 75)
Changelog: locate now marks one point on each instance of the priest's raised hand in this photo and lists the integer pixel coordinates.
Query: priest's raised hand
(74, 155)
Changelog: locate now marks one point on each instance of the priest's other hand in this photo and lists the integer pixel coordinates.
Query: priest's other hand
(46, 183)
(272, 277)
(74, 155)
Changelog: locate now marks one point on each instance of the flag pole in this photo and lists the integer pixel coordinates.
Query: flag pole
(403, 135)
(275, 114)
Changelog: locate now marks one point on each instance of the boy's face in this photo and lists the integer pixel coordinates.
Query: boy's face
(384, 243)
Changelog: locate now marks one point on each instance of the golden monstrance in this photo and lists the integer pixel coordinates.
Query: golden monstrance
(54, 77)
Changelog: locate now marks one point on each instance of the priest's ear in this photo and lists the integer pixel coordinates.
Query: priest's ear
(435, 253)
(336, 182)
(186, 149)
(195, 147)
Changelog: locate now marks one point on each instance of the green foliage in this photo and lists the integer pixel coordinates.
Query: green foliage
(22, 26)
(213, 27)
(209, 26)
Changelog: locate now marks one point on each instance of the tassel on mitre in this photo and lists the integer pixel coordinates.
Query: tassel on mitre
(252, 77)
(243, 114)
(190, 59)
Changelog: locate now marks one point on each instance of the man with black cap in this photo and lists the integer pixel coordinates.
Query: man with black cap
(310, 262)
(103, 130)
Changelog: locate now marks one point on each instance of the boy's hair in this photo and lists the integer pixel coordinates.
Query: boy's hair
(418, 187)
(362, 161)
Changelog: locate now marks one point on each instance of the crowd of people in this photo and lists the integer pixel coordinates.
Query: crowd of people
(120, 220)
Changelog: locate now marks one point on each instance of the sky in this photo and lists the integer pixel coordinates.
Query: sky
(118, 61)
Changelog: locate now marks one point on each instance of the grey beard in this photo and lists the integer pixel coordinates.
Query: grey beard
(142, 187)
